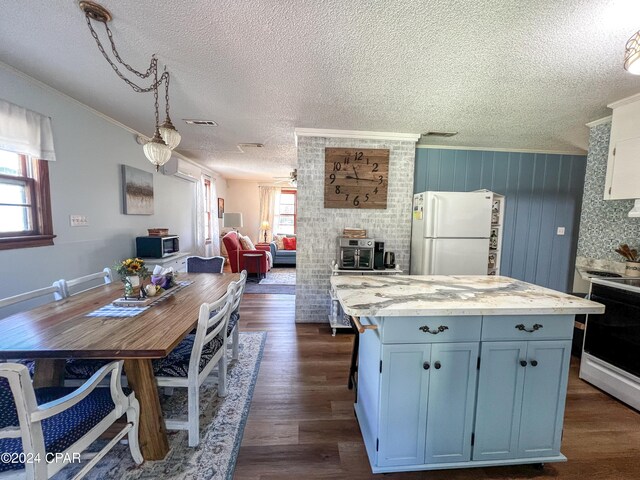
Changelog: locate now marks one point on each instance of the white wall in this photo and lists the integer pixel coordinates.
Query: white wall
(85, 180)
(243, 197)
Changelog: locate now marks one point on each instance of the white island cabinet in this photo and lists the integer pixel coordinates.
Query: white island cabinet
(460, 371)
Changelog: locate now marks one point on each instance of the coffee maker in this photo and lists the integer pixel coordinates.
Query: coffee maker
(378, 256)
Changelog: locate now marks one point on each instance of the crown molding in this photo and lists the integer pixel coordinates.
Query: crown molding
(354, 134)
(600, 121)
(625, 101)
(577, 151)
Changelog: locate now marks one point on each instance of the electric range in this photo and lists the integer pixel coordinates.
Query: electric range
(610, 357)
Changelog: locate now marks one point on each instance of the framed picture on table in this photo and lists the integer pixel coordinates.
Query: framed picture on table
(220, 207)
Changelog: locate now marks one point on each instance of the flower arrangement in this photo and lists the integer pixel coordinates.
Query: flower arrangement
(132, 271)
(131, 267)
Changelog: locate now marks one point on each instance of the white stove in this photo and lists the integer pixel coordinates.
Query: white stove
(610, 359)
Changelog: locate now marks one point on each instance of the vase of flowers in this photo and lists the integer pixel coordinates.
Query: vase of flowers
(132, 271)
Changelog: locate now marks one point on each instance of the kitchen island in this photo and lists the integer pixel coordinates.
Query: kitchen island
(460, 371)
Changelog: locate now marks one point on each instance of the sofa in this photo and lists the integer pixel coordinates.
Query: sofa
(239, 262)
(282, 257)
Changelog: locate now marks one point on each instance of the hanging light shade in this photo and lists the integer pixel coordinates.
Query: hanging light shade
(632, 55)
(156, 151)
(169, 134)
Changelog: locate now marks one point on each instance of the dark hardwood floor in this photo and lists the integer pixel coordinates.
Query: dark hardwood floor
(301, 424)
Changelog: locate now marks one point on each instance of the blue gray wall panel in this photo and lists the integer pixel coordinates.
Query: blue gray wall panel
(543, 192)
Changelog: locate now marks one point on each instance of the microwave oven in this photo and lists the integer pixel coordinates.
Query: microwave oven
(157, 247)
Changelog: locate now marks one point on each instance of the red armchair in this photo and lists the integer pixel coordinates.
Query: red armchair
(236, 255)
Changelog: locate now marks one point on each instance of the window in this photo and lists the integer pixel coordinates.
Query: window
(25, 204)
(207, 211)
(286, 210)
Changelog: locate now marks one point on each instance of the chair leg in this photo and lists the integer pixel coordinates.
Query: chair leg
(194, 415)
(235, 352)
(133, 416)
(222, 376)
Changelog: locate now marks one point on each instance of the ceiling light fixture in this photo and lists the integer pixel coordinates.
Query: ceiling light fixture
(166, 137)
(632, 54)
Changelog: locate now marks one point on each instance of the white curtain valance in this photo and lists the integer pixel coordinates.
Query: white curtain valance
(25, 132)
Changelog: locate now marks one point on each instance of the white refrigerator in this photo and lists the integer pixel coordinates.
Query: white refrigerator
(450, 233)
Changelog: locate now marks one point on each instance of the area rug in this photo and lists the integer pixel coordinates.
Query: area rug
(281, 276)
(222, 422)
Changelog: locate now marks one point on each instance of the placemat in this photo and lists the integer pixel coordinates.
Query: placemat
(111, 310)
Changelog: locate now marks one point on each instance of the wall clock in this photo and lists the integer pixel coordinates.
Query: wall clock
(356, 177)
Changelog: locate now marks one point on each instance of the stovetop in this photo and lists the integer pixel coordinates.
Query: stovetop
(600, 273)
(631, 284)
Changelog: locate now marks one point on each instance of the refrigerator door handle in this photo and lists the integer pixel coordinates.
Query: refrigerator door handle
(432, 270)
(434, 216)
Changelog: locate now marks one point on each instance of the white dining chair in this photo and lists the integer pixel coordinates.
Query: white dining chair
(56, 289)
(78, 370)
(234, 319)
(70, 286)
(47, 421)
(191, 362)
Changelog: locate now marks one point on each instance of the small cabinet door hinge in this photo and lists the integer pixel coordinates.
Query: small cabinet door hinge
(614, 152)
(478, 363)
(473, 439)
(380, 366)
(377, 444)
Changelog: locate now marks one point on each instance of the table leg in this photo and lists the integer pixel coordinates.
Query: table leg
(153, 434)
(49, 372)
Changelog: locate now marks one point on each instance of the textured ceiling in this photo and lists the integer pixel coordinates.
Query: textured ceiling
(505, 74)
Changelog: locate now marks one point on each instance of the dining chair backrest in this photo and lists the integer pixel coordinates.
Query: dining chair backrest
(197, 264)
(239, 291)
(56, 289)
(70, 285)
(212, 321)
(23, 418)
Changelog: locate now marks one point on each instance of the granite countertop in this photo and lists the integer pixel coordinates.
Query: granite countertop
(421, 295)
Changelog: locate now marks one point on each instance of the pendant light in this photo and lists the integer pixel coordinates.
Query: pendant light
(166, 137)
(632, 54)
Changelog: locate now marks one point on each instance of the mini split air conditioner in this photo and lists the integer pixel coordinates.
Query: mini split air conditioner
(181, 169)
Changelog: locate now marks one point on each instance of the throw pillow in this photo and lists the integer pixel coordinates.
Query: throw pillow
(289, 243)
(279, 242)
(245, 243)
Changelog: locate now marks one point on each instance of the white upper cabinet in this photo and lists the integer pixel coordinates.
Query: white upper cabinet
(623, 166)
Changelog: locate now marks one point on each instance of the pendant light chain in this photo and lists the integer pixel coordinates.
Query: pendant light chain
(152, 67)
(166, 93)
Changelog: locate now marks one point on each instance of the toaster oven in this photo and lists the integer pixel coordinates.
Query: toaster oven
(355, 253)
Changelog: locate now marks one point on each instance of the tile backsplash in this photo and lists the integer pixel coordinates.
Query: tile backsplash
(604, 224)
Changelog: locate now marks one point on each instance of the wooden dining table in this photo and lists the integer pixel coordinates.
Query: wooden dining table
(57, 331)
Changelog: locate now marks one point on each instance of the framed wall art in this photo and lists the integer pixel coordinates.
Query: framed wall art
(220, 207)
(137, 191)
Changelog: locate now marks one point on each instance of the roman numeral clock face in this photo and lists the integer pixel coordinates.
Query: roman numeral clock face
(356, 178)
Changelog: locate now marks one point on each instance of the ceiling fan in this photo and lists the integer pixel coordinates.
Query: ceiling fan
(292, 179)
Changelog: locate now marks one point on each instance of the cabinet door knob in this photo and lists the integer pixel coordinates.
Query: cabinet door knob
(523, 363)
(438, 365)
(534, 363)
(426, 365)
